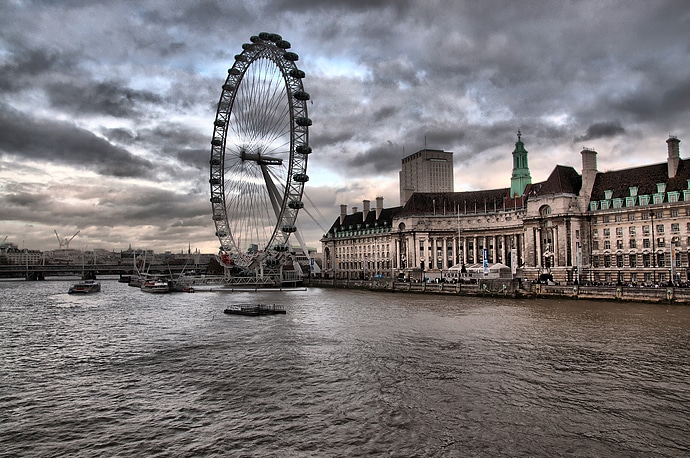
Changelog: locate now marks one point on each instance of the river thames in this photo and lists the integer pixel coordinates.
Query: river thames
(344, 373)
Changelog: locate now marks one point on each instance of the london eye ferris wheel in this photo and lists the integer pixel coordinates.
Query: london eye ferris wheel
(259, 152)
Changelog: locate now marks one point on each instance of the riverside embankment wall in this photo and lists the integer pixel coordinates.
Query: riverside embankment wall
(516, 289)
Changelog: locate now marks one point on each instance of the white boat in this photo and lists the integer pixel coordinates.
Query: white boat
(84, 287)
(155, 286)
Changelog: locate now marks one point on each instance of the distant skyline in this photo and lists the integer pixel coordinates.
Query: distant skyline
(106, 108)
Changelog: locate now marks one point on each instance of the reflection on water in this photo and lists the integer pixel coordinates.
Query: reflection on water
(344, 373)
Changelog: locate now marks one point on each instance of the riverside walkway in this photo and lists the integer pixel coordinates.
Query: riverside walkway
(516, 289)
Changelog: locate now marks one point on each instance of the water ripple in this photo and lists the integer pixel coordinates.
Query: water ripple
(344, 373)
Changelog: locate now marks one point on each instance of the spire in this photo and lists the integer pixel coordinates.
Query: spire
(521, 176)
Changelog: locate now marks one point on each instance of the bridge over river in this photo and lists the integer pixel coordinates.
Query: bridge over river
(40, 272)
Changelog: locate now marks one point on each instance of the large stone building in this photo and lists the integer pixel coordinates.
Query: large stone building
(428, 170)
(630, 226)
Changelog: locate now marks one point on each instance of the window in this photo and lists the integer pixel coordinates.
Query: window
(595, 245)
(619, 232)
(595, 232)
(607, 232)
(608, 194)
(675, 227)
(619, 260)
(633, 243)
(631, 217)
(645, 243)
(633, 191)
(631, 230)
(645, 230)
(646, 260)
(595, 261)
(593, 206)
(607, 260)
(607, 218)
(633, 260)
(674, 213)
(629, 201)
(661, 260)
(619, 218)
(607, 244)
(659, 228)
(619, 244)
(617, 203)
(645, 215)
(661, 242)
(659, 214)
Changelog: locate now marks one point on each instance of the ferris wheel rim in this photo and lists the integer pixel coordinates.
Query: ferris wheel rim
(286, 182)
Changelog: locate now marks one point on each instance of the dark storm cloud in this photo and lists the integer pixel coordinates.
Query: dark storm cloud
(677, 98)
(132, 206)
(348, 6)
(176, 144)
(64, 143)
(601, 130)
(386, 79)
(378, 160)
(147, 204)
(25, 199)
(23, 67)
(102, 98)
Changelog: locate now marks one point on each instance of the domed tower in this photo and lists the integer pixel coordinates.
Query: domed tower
(521, 176)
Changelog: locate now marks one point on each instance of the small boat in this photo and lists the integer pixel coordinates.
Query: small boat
(136, 281)
(255, 309)
(84, 287)
(155, 286)
(124, 278)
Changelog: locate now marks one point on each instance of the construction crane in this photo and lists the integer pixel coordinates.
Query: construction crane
(64, 243)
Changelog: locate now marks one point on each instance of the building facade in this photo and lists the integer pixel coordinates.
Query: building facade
(628, 226)
(428, 170)
(358, 245)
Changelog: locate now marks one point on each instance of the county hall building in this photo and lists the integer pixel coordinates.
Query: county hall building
(628, 226)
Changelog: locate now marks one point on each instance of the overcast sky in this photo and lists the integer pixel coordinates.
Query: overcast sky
(107, 107)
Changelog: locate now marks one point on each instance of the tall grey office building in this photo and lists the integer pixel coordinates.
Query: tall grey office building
(428, 170)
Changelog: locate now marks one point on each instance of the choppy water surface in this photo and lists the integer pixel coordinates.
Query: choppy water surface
(343, 373)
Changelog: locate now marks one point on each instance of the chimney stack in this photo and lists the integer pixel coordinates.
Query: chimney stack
(343, 213)
(365, 209)
(379, 206)
(673, 155)
(589, 170)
